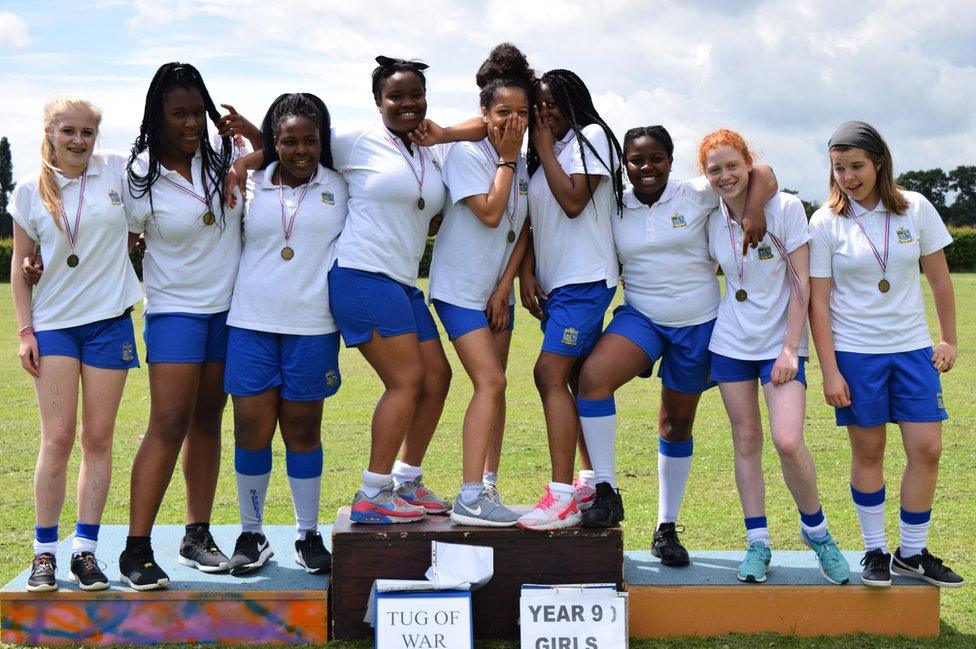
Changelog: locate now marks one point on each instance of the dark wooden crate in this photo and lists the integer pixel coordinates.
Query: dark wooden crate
(363, 553)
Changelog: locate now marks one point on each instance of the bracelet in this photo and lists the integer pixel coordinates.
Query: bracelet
(26, 331)
(510, 165)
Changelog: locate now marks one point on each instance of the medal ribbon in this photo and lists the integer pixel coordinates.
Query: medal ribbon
(561, 145)
(189, 192)
(740, 264)
(789, 263)
(882, 261)
(287, 228)
(509, 209)
(73, 236)
(409, 161)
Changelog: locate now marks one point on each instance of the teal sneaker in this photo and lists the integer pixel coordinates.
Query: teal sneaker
(833, 565)
(754, 567)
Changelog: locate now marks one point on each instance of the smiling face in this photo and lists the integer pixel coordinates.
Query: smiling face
(857, 175)
(506, 101)
(403, 101)
(648, 166)
(550, 112)
(184, 121)
(728, 172)
(299, 148)
(73, 134)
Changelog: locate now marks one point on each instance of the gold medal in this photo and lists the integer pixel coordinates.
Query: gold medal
(72, 260)
(884, 286)
(208, 218)
(287, 253)
(511, 236)
(420, 203)
(741, 295)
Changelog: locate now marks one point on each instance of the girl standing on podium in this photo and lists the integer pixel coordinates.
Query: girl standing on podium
(868, 320)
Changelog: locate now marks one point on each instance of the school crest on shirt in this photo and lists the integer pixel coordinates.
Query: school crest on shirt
(904, 235)
(678, 220)
(331, 378)
(940, 401)
(764, 251)
(437, 164)
(127, 354)
(114, 197)
(328, 198)
(523, 186)
(570, 336)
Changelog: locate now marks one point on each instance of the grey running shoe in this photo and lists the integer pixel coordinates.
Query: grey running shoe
(199, 550)
(416, 493)
(485, 510)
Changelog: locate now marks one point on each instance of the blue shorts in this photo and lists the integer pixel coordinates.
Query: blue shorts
(186, 337)
(903, 386)
(362, 301)
(106, 344)
(306, 368)
(458, 320)
(730, 370)
(572, 318)
(683, 351)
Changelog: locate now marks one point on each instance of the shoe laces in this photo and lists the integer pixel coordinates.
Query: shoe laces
(45, 561)
(209, 544)
(873, 559)
(670, 533)
(492, 495)
(547, 500)
(754, 552)
(931, 558)
(89, 562)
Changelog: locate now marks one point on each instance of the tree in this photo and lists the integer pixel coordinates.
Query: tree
(808, 207)
(7, 185)
(933, 184)
(963, 183)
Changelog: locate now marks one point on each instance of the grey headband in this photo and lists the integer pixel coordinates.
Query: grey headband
(857, 134)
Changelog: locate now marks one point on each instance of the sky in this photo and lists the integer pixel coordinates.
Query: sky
(782, 73)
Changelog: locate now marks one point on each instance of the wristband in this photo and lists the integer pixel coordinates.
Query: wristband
(510, 165)
(26, 331)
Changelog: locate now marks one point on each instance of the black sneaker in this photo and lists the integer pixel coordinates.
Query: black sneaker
(86, 573)
(607, 509)
(42, 577)
(877, 568)
(926, 567)
(250, 553)
(667, 547)
(312, 555)
(199, 550)
(139, 569)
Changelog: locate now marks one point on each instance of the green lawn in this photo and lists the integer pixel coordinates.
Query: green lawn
(711, 511)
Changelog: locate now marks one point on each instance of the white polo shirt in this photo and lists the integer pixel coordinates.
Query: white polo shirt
(575, 250)
(103, 284)
(469, 257)
(386, 232)
(289, 296)
(863, 318)
(755, 329)
(663, 248)
(189, 266)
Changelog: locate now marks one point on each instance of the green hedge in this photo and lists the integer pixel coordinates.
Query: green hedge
(961, 254)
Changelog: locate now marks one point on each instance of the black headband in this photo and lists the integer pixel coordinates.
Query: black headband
(388, 62)
(857, 134)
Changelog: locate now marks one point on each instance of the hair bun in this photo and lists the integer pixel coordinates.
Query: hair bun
(505, 62)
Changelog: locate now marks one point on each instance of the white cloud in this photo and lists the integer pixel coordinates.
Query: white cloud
(13, 32)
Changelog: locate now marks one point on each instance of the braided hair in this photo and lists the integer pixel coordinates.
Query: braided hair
(575, 103)
(388, 66)
(214, 165)
(298, 104)
(656, 132)
(505, 67)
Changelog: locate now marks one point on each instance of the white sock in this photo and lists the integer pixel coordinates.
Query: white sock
(489, 478)
(914, 527)
(673, 469)
(403, 472)
(305, 478)
(253, 471)
(870, 509)
(470, 491)
(42, 548)
(563, 492)
(587, 478)
(598, 417)
(757, 529)
(814, 525)
(374, 482)
(80, 544)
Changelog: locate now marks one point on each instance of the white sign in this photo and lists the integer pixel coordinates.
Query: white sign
(440, 620)
(550, 619)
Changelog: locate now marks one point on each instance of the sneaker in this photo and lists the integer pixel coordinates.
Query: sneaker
(833, 565)
(877, 568)
(386, 507)
(86, 572)
(486, 510)
(755, 566)
(199, 550)
(926, 567)
(585, 495)
(491, 489)
(607, 508)
(311, 554)
(551, 514)
(667, 547)
(43, 569)
(139, 569)
(251, 551)
(415, 493)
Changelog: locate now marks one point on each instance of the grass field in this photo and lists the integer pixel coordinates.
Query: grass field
(710, 513)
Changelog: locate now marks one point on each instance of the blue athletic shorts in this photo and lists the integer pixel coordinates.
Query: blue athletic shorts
(904, 386)
(730, 370)
(361, 301)
(458, 320)
(186, 337)
(106, 344)
(306, 368)
(572, 318)
(683, 351)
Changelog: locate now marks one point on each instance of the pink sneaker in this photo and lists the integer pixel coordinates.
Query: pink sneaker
(551, 514)
(386, 507)
(585, 496)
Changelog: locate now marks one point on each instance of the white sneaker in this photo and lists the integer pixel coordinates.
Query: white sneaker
(551, 513)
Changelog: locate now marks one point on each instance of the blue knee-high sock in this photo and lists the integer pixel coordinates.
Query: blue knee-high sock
(870, 508)
(598, 417)
(914, 528)
(253, 470)
(673, 469)
(305, 478)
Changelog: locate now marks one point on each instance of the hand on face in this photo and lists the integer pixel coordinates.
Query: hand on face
(542, 136)
(508, 139)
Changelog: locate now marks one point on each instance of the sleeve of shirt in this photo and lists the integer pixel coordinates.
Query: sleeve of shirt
(795, 232)
(701, 191)
(136, 209)
(20, 207)
(465, 173)
(821, 243)
(581, 152)
(933, 235)
(343, 141)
